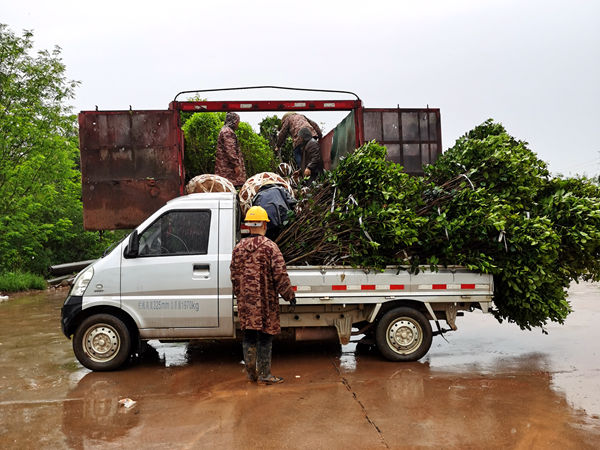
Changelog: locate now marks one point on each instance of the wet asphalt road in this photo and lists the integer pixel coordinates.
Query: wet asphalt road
(491, 386)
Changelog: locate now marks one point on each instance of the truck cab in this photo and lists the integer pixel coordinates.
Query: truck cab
(168, 280)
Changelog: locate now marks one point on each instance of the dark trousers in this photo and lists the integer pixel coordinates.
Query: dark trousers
(298, 155)
(255, 337)
(257, 348)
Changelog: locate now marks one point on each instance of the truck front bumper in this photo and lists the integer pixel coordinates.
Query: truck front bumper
(71, 308)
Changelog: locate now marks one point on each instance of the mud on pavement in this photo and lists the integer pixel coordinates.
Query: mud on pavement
(490, 386)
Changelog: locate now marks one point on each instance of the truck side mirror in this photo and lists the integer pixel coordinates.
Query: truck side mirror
(133, 247)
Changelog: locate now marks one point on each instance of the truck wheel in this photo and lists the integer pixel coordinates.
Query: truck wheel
(403, 334)
(102, 342)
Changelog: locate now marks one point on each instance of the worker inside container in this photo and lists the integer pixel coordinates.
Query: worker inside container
(291, 124)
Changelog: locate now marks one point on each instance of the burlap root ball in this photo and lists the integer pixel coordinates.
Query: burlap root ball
(253, 185)
(209, 183)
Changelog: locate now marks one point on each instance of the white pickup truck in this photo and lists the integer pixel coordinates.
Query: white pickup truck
(170, 281)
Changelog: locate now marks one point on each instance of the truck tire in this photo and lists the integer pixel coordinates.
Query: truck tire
(403, 334)
(102, 342)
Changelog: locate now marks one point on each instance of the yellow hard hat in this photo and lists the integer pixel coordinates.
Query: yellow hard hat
(257, 214)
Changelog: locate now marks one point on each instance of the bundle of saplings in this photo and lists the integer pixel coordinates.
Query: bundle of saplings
(488, 204)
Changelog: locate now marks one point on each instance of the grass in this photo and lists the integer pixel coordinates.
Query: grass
(20, 281)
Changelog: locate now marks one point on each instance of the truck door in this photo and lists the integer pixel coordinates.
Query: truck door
(413, 137)
(131, 165)
(172, 286)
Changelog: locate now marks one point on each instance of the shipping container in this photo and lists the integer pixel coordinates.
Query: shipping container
(132, 161)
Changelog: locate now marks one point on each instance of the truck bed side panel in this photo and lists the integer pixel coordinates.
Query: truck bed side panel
(355, 285)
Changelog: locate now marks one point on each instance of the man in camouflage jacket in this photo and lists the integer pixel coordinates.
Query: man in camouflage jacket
(229, 161)
(291, 124)
(258, 276)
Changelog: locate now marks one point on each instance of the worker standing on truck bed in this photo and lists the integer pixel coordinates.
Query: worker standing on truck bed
(229, 161)
(258, 276)
(311, 165)
(291, 124)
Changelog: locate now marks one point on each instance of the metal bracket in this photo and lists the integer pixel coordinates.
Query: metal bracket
(451, 310)
(343, 326)
(440, 331)
(430, 310)
(374, 313)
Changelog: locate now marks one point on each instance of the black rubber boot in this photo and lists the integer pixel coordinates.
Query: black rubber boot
(250, 360)
(265, 346)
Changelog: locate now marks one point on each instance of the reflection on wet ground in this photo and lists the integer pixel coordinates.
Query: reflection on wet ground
(490, 386)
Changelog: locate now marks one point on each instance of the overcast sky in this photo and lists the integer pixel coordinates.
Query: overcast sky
(532, 65)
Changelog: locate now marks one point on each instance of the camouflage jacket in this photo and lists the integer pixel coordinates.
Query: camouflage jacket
(291, 125)
(258, 275)
(229, 161)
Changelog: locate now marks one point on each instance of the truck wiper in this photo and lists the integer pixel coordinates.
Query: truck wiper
(113, 245)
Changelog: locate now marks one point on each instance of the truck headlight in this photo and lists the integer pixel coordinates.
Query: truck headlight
(82, 281)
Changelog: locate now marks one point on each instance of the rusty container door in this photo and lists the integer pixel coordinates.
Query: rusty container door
(413, 137)
(131, 164)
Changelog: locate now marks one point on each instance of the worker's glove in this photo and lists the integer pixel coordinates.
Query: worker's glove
(293, 301)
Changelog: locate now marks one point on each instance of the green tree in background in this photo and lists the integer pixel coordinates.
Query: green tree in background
(258, 156)
(201, 131)
(40, 187)
(269, 127)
